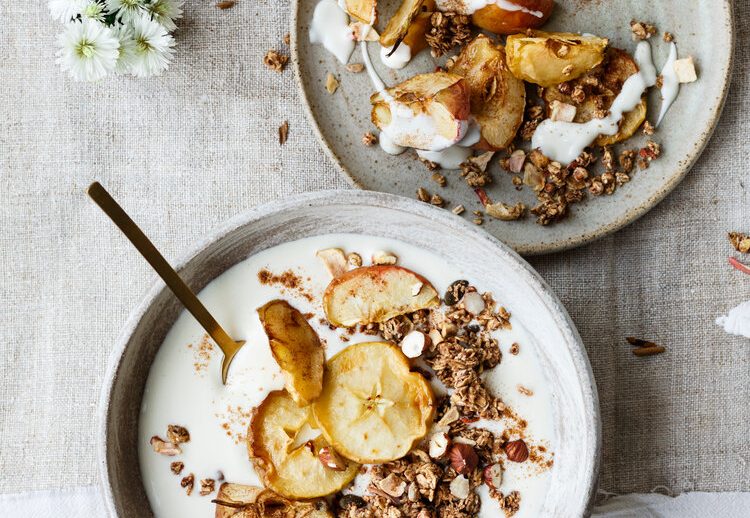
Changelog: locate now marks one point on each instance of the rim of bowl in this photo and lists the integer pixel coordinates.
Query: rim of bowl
(376, 200)
(683, 166)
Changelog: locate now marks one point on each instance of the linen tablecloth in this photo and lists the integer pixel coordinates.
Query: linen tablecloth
(185, 151)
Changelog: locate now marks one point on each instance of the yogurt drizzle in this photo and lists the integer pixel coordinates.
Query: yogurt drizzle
(399, 59)
(330, 27)
(670, 84)
(565, 141)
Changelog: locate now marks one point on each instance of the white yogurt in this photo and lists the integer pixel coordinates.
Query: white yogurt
(737, 322)
(565, 141)
(472, 6)
(330, 27)
(670, 84)
(399, 59)
(387, 145)
(450, 158)
(185, 388)
(409, 129)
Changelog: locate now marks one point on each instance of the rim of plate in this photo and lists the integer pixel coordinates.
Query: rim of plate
(683, 166)
(377, 200)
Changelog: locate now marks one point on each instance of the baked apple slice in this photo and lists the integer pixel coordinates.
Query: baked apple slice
(366, 11)
(297, 349)
(529, 14)
(240, 501)
(609, 78)
(442, 99)
(498, 98)
(373, 409)
(551, 58)
(409, 25)
(376, 294)
(285, 466)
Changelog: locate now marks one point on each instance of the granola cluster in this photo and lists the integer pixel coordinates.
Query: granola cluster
(447, 31)
(440, 477)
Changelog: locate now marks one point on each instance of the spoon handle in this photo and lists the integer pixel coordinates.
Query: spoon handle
(149, 252)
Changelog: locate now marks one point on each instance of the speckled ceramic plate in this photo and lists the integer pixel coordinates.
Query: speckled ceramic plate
(702, 29)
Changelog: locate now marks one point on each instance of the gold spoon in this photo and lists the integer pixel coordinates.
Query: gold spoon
(173, 281)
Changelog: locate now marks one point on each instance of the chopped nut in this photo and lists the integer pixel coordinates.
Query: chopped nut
(382, 258)
(437, 200)
(515, 349)
(741, 242)
(525, 391)
(458, 210)
(275, 60)
(493, 475)
(517, 451)
(439, 179)
(439, 443)
(334, 260)
(685, 70)
(330, 459)
(463, 458)
(648, 129)
(332, 84)
(393, 485)
(188, 483)
(414, 344)
(668, 37)
(459, 487)
(354, 260)
(477, 221)
(369, 139)
(283, 132)
(641, 30)
(208, 485)
(226, 4)
(178, 434)
(177, 467)
(423, 195)
(516, 161)
(287, 39)
(355, 68)
(505, 212)
(533, 177)
(164, 448)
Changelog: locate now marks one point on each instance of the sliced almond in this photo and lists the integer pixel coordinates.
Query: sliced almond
(563, 112)
(332, 84)
(439, 443)
(516, 161)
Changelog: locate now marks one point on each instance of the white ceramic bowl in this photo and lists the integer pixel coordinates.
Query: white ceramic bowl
(563, 359)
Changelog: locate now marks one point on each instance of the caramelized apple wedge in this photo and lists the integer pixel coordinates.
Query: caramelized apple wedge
(373, 409)
(551, 58)
(286, 462)
(240, 501)
(498, 98)
(366, 11)
(409, 25)
(376, 294)
(529, 15)
(297, 349)
(440, 97)
(605, 83)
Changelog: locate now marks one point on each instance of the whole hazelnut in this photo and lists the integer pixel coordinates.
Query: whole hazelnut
(463, 458)
(517, 451)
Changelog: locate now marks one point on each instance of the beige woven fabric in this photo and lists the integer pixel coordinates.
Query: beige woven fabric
(190, 149)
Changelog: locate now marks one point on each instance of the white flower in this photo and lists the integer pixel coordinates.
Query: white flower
(93, 10)
(165, 12)
(127, 10)
(66, 10)
(126, 56)
(88, 50)
(153, 47)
